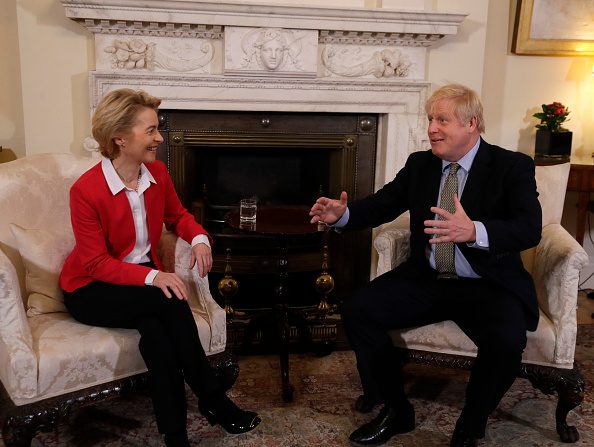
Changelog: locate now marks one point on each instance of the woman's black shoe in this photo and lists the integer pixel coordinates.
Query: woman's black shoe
(229, 416)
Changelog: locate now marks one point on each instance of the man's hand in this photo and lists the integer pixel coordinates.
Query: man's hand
(171, 282)
(457, 227)
(201, 255)
(328, 210)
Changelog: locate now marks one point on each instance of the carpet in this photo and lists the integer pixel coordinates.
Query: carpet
(322, 412)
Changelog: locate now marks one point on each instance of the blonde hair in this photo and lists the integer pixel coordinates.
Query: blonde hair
(467, 104)
(116, 114)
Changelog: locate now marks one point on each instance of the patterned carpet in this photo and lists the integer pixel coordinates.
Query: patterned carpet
(322, 412)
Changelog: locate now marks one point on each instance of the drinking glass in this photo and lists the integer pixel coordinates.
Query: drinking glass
(247, 210)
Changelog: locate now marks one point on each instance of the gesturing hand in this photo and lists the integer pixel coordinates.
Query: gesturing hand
(201, 255)
(170, 282)
(457, 227)
(328, 210)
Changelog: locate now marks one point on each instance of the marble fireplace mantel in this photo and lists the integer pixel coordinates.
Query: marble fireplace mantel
(208, 55)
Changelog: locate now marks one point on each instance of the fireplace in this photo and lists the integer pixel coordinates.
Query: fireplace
(367, 65)
(216, 158)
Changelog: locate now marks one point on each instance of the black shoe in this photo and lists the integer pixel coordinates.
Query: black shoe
(229, 416)
(461, 438)
(365, 404)
(386, 424)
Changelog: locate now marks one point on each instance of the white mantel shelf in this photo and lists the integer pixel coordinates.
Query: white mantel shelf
(170, 15)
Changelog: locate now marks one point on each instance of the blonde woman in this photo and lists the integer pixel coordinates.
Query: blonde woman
(114, 278)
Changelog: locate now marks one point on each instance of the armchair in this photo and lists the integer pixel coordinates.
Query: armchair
(555, 264)
(50, 363)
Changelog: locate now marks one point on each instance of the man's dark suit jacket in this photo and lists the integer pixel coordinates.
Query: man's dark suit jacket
(500, 192)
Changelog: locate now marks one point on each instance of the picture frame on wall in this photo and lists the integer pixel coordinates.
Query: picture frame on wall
(554, 28)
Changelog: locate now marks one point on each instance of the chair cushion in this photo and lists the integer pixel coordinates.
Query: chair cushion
(447, 338)
(43, 253)
(72, 355)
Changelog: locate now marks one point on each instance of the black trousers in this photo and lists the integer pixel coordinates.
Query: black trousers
(169, 342)
(491, 317)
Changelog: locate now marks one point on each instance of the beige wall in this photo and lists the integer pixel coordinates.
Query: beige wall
(44, 105)
(47, 79)
(12, 134)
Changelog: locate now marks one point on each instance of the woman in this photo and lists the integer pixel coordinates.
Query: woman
(113, 276)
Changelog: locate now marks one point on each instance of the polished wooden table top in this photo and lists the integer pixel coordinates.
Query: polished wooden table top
(276, 221)
(585, 161)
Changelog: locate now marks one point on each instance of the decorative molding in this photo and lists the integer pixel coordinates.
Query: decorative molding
(382, 38)
(147, 14)
(270, 51)
(156, 29)
(223, 93)
(382, 63)
(135, 53)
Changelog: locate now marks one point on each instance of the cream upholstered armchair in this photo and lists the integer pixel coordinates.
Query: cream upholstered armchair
(48, 361)
(555, 266)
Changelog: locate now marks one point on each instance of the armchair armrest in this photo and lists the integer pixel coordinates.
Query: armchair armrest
(18, 362)
(392, 243)
(176, 254)
(557, 265)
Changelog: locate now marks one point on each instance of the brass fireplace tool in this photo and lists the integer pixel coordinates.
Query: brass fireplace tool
(228, 287)
(324, 285)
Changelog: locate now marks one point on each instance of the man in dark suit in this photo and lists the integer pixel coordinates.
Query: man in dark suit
(473, 209)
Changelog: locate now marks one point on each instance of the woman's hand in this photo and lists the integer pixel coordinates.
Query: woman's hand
(201, 255)
(171, 282)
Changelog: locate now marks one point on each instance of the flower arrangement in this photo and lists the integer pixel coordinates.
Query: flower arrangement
(552, 116)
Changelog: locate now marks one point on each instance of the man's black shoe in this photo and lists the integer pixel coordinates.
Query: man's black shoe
(365, 404)
(461, 438)
(386, 424)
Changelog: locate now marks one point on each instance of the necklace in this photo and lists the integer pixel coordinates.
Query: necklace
(128, 181)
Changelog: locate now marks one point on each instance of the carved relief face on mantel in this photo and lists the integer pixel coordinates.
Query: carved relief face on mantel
(269, 46)
(270, 51)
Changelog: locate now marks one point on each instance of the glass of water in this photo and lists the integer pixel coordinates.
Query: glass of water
(247, 210)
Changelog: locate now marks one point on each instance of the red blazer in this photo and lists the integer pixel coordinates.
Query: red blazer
(104, 229)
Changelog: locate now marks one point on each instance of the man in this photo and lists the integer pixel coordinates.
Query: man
(473, 209)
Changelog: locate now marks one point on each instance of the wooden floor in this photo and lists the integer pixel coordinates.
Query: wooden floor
(585, 308)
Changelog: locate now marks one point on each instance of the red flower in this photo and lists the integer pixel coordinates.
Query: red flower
(552, 116)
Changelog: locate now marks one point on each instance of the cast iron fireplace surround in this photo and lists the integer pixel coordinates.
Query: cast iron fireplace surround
(215, 158)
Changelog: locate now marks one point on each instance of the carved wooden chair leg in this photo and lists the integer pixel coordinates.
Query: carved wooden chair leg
(570, 390)
(569, 385)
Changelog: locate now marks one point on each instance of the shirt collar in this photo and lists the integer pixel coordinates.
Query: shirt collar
(466, 161)
(116, 184)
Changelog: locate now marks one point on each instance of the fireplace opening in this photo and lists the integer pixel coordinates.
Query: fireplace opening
(275, 176)
(215, 158)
